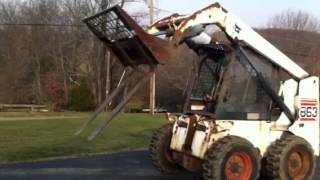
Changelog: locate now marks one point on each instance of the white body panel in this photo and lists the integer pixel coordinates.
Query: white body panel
(179, 135)
(201, 141)
(307, 126)
(259, 133)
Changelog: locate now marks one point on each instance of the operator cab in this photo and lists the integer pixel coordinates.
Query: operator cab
(223, 88)
(211, 61)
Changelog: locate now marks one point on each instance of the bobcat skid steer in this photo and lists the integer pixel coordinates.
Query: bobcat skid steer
(241, 119)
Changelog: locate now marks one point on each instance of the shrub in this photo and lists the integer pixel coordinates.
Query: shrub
(54, 90)
(81, 97)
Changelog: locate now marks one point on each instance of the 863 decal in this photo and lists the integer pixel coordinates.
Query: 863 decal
(309, 110)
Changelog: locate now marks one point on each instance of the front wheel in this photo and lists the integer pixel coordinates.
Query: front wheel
(160, 152)
(231, 158)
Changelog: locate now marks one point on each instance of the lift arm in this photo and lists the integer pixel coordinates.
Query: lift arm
(237, 31)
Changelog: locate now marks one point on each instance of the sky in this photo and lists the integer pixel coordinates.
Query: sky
(253, 12)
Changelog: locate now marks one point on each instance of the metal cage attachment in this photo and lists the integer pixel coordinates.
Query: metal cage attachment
(126, 39)
(133, 47)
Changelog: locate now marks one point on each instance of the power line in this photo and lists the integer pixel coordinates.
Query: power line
(40, 24)
(63, 25)
(154, 7)
(163, 10)
(77, 25)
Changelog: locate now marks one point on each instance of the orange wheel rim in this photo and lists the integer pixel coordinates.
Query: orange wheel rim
(238, 166)
(298, 164)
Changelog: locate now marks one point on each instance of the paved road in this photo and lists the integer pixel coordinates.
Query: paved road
(123, 166)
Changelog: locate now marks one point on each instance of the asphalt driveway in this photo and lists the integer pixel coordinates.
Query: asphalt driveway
(122, 166)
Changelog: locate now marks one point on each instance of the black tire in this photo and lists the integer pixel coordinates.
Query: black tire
(289, 158)
(232, 158)
(159, 149)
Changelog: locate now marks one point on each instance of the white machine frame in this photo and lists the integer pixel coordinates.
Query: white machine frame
(300, 94)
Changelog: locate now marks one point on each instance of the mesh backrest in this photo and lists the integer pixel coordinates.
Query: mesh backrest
(108, 25)
(126, 39)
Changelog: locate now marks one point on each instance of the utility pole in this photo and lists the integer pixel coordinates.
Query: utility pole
(107, 57)
(153, 77)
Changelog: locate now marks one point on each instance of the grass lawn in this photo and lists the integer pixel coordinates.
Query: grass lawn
(34, 139)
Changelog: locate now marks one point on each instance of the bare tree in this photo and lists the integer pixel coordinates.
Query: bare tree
(52, 42)
(295, 20)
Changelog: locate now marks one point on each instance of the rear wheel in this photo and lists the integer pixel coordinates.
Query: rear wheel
(231, 158)
(160, 152)
(291, 157)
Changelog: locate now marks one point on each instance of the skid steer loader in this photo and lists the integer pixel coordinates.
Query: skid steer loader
(240, 120)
